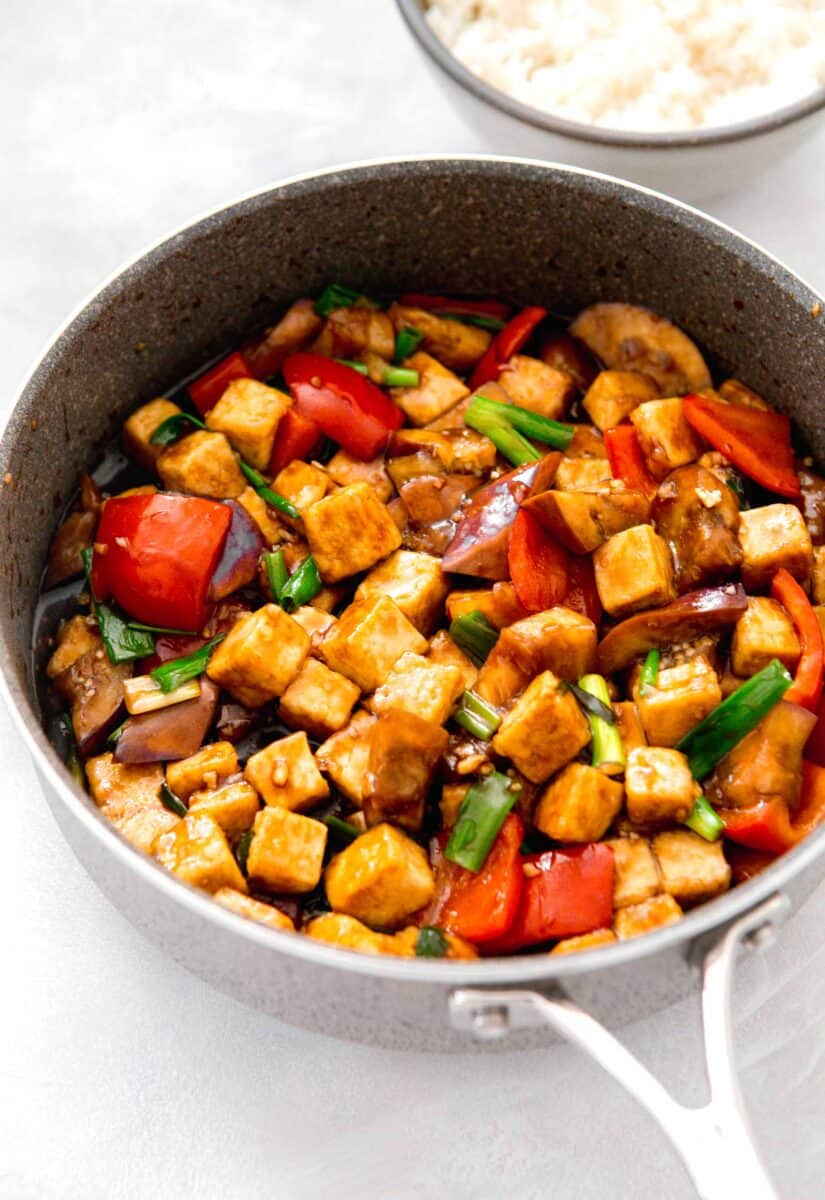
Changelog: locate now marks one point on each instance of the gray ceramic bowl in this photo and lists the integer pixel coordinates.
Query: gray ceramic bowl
(692, 165)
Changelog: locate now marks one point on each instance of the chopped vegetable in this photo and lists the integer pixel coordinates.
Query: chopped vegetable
(807, 684)
(353, 364)
(171, 801)
(431, 942)
(650, 671)
(757, 441)
(479, 819)
(768, 826)
(172, 675)
(242, 853)
(477, 716)
(171, 429)
(341, 830)
(539, 566)
(626, 460)
(303, 584)
(705, 821)
(608, 751)
(407, 341)
(504, 437)
(474, 634)
(505, 344)
(266, 493)
(297, 437)
(480, 906)
(333, 297)
(533, 425)
(144, 694)
(207, 389)
(348, 408)
(401, 377)
(276, 572)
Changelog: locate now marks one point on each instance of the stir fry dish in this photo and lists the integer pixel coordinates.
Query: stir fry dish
(434, 628)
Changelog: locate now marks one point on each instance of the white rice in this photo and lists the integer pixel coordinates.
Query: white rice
(641, 65)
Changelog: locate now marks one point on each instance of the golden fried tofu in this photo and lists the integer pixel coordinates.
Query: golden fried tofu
(75, 637)
(558, 640)
(771, 537)
(318, 700)
(613, 395)
(343, 469)
(763, 632)
(202, 463)
(349, 934)
(234, 806)
(405, 750)
(196, 850)
(286, 775)
(414, 581)
(286, 853)
(445, 652)
(418, 685)
(666, 438)
(452, 798)
(818, 575)
(249, 413)
(315, 621)
(634, 570)
(436, 392)
(584, 941)
(543, 730)
(260, 656)
(253, 910)
(368, 640)
(456, 345)
(682, 696)
(206, 768)
(651, 914)
(301, 483)
(381, 878)
(692, 869)
(345, 756)
(581, 474)
(736, 392)
(635, 871)
(265, 518)
(659, 785)
(579, 805)
(349, 531)
(128, 795)
(499, 604)
(136, 436)
(533, 384)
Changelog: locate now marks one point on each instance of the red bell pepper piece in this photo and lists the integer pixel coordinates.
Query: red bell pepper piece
(566, 892)
(207, 389)
(627, 461)
(297, 437)
(538, 564)
(507, 342)
(806, 688)
(481, 906)
(156, 555)
(582, 593)
(757, 441)
(769, 827)
(451, 304)
(347, 406)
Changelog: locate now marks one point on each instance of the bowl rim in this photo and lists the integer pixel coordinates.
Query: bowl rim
(518, 969)
(412, 12)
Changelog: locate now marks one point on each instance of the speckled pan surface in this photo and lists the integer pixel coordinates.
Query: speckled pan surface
(523, 230)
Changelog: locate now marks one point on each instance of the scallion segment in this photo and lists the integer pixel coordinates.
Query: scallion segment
(276, 572)
(242, 849)
(171, 429)
(123, 641)
(431, 942)
(477, 716)
(171, 675)
(650, 672)
(138, 625)
(474, 634)
(507, 440)
(353, 365)
(266, 493)
(333, 297)
(736, 716)
(302, 585)
(401, 377)
(171, 801)
(607, 749)
(340, 829)
(532, 425)
(407, 341)
(480, 817)
(114, 736)
(705, 821)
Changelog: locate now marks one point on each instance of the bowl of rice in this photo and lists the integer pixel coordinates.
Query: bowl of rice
(692, 96)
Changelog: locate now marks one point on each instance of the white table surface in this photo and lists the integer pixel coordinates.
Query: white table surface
(121, 1076)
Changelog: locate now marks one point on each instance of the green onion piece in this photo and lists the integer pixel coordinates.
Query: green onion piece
(736, 716)
(737, 486)
(171, 429)
(504, 437)
(477, 716)
(266, 493)
(123, 642)
(335, 296)
(171, 801)
(401, 377)
(407, 341)
(480, 817)
(341, 830)
(73, 762)
(532, 425)
(480, 320)
(608, 751)
(141, 628)
(431, 942)
(474, 634)
(276, 572)
(114, 736)
(705, 821)
(650, 672)
(171, 675)
(360, 367)
(242, 848)
(591, 701)
(302, 585)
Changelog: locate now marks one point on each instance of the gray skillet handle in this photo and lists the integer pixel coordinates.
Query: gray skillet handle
(714, 1141)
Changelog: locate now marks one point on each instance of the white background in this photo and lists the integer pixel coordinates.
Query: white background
(120, 1075)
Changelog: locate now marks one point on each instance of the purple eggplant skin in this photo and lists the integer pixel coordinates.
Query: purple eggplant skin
(482, 538)
(93, 686)
(241, 550)
(169, 733)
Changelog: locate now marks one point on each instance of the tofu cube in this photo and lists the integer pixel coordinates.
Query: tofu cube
(129, 796)
(207, 768)
(417, 685)
(771, 537)
(136, 437)
(197, 851)
(368, 640)
(456, 345)
(658, 785)
(345, 756)
(343, 469)
(666, 439)
(301, 483)
(818, 575)
(286, 775)
(316, 622)
(405, 751)
(452, 798)
(533, 384)
(584, 941)
(348, 934)
(579, 805)
(613, 395)
(286, 853)
(499, 604)
(318, 700)
(558, 640)
(202, 463)
(415, 582)
(445, 652)
(682, 696)
(260, 656)
(634, 570)
(763, 632)
(692, 869)
(253, 910)
(543, 730)
(635, 871)
(381, 878)
(349, 531)
(637, 919)
(234, 806)
(76, 637)
(437, 390)
(582, 474)
(249, 413)
(265, 518)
